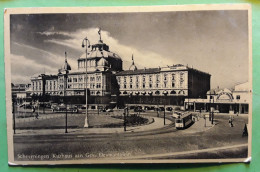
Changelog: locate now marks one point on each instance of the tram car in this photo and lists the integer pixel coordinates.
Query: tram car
(183, 119)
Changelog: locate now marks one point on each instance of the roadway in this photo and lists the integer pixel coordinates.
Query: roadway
(162, 140)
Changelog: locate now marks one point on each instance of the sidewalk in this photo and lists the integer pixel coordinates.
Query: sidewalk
(157, 123)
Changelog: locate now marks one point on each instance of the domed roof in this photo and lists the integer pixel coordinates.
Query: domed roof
(100, 50)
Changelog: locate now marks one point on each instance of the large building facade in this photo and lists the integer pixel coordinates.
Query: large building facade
(108, 83)
(165, 86)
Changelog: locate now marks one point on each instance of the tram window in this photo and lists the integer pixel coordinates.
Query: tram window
(178, 121)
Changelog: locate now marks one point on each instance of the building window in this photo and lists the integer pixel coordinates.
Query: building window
(75, 80)
(124, 78)
(92, 85)
(98, 85)
(143, 85)
(69, 79)
(165, 84)
(181, 76)
(150, 78)
(131, 79)
(137, 85)
(143, 78)
(80, 79)
(92, 78)
(165, 77)
(118, 80)
(238, 97)
(173, 84)
(157, 78)
(98, 78)
(69, 86)
(124, 85)
(173, 77)
(150, 85)
(40, 86)
(131, 86)
(50, 85)
(181, 83)
(137, 78)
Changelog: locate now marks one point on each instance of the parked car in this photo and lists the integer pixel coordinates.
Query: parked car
(139, 109)
(72, 108)
(55, 107)
(161, 108)
(62, 107)
(109, 110)
(26, 105)
(169, 108)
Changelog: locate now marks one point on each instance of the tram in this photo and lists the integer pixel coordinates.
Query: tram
(183, 119)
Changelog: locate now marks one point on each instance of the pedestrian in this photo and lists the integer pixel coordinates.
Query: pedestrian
(33, 109)
(230, 121)
(37, 116)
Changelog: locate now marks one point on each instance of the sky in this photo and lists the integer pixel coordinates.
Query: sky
(215, 42)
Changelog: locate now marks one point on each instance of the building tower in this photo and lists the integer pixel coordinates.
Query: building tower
(133, 66)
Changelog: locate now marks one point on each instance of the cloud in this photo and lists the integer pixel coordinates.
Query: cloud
(37, 58)
(22, 69)
(142, 57)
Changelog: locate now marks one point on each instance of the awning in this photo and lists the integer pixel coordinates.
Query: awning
(173, 92)
(165, 92)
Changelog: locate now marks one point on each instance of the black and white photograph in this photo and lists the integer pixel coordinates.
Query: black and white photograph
(159, 84)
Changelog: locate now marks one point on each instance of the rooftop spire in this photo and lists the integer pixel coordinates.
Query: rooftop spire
(133, 66)
(65, 56)
(66, 66)
(133, 62)
(99, 32)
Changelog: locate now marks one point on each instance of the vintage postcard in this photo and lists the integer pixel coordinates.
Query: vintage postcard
(151, 84)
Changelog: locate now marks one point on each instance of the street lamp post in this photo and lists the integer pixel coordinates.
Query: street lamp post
(130, 96)
(65, 94)
(98, 102)
(125, 111)
(165, 94)
(86, 43)
(210, 106)
(13, 115)
(211, 114)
